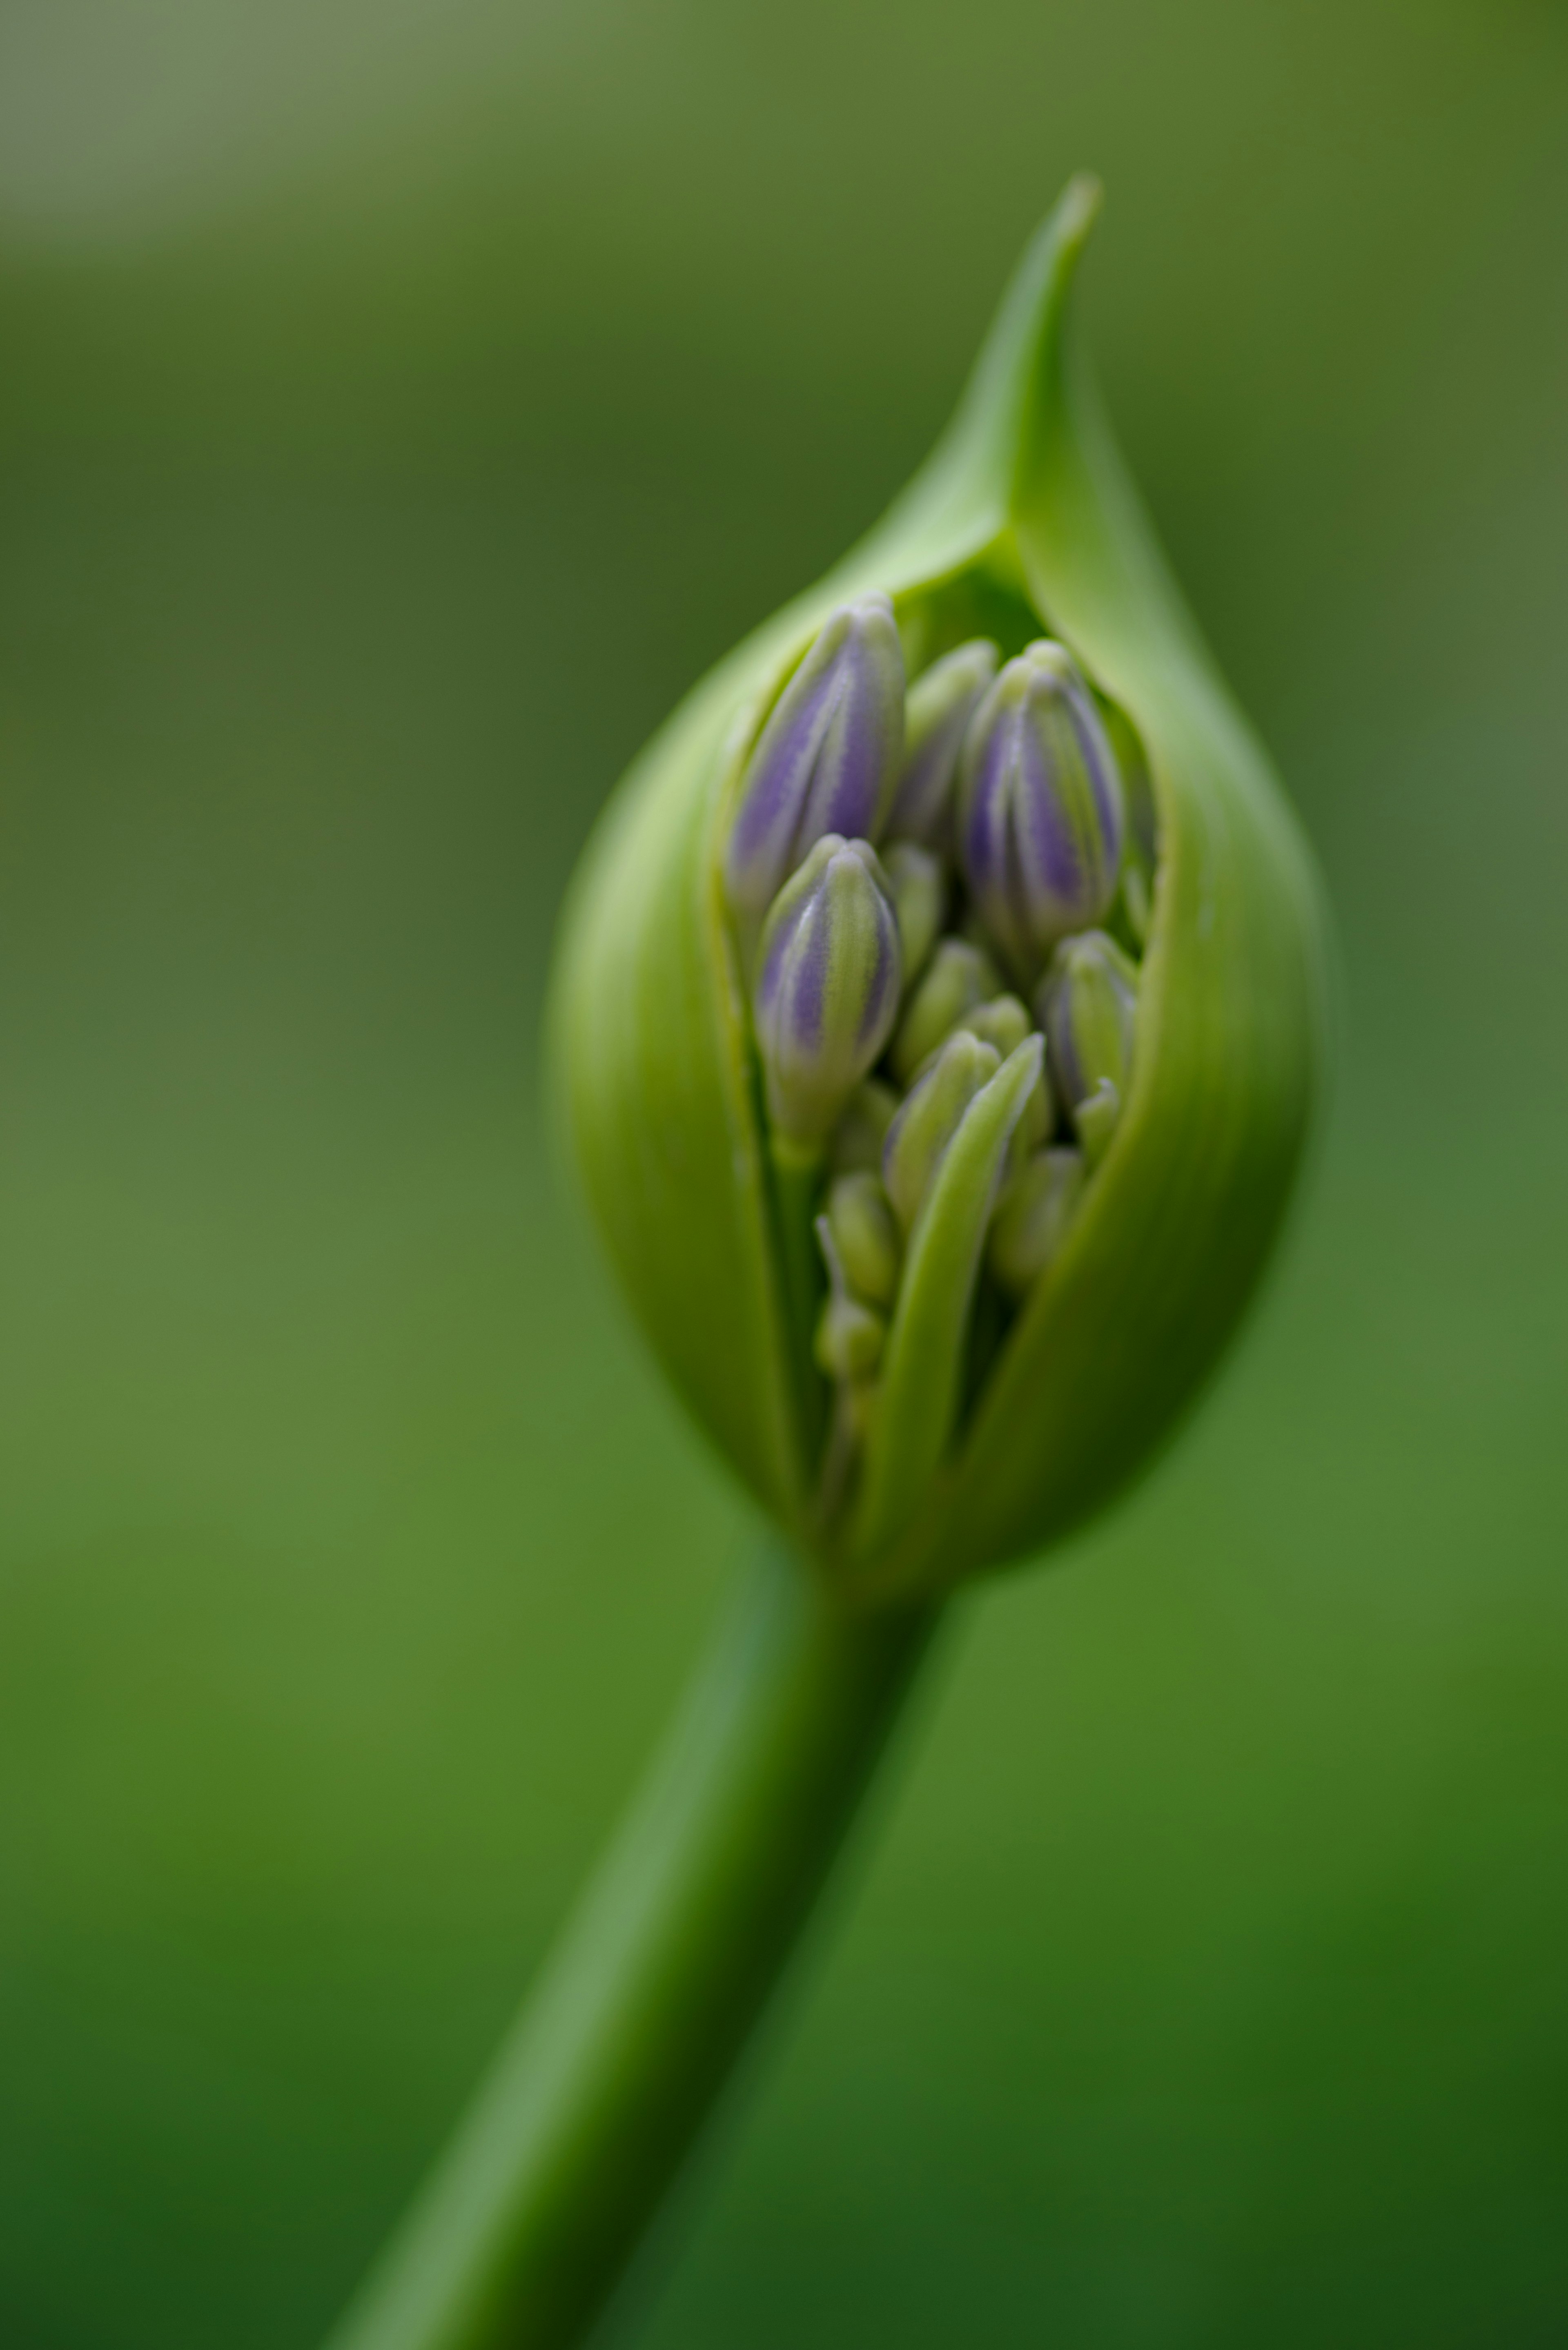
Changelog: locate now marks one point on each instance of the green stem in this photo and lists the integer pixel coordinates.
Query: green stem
(574, 2141)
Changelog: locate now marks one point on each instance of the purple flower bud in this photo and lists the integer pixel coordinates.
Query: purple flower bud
(1041, 813)
(828, 975)
(826, 760)
(936, 719)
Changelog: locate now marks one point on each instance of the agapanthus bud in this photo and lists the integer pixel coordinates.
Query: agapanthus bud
(849, 1338)
(920, 888)
(936, 719)
(1041, 814)
(861, 1222)
(1088, 1009)
(827, 759)
(1033, 1217)
(959, 979)
(703, 1130)
(1003, 1021)
(827, 988)
(929, 1119)
(860, 1133)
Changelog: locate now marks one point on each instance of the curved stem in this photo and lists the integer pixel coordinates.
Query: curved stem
(566, 2155)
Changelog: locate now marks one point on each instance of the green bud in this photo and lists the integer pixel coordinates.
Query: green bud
(862, 1130)
(849, 1338)
(1002, 1022)
(920, 888)
(861, 1224)
(849, 1334)
(931, 1117)
(1088, 1009)
(1096, 1119)
(1033, 1217)
(958, 980)
(949, 1459)
(937, 717)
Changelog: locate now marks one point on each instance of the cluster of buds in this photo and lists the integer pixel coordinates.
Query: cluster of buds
(925, 883)
(940, 1007)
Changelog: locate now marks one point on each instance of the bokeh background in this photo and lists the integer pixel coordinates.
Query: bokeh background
(401, 404)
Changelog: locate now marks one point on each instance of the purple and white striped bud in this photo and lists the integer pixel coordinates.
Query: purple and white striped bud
(828, 976)
(1040, 811)
(825, 761)
(1087, 1005)
(936, 720)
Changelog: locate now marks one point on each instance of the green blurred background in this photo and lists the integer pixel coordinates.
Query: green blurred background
(401, 404)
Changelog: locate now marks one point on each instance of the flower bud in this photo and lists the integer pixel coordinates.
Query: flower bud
(959, 979)
(936, 719)
(1088, 1009)
(1041, 815)
(827, 988)
(1032, 1216)
(862, 1130)
(849, 1338)
(861, 1224)
(919, 890)
(1002, 1022)
(827, 759)
(929, 1119)
(980, 1436)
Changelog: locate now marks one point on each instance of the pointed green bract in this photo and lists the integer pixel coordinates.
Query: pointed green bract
(918, 1401)
(1024, 511)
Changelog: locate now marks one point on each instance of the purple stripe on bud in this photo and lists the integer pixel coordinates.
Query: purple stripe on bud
(829, 972)
(826, 760)
(1041, 812)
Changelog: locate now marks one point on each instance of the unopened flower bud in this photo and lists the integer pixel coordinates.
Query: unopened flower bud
(827, 988)
(1002, 1022)
(711, 1112)
(1041, 814)
(1005, 1022)
(1088, 1009)
(862, 1130)
(919, 890)
(849, 1332)
(1033, 1217)
(867, 1238)
(827, 758)
(958, 980)
(926, 1122)
(936, 719)
(849, 1338)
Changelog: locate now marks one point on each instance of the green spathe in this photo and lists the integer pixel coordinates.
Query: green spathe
(1025, 499)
